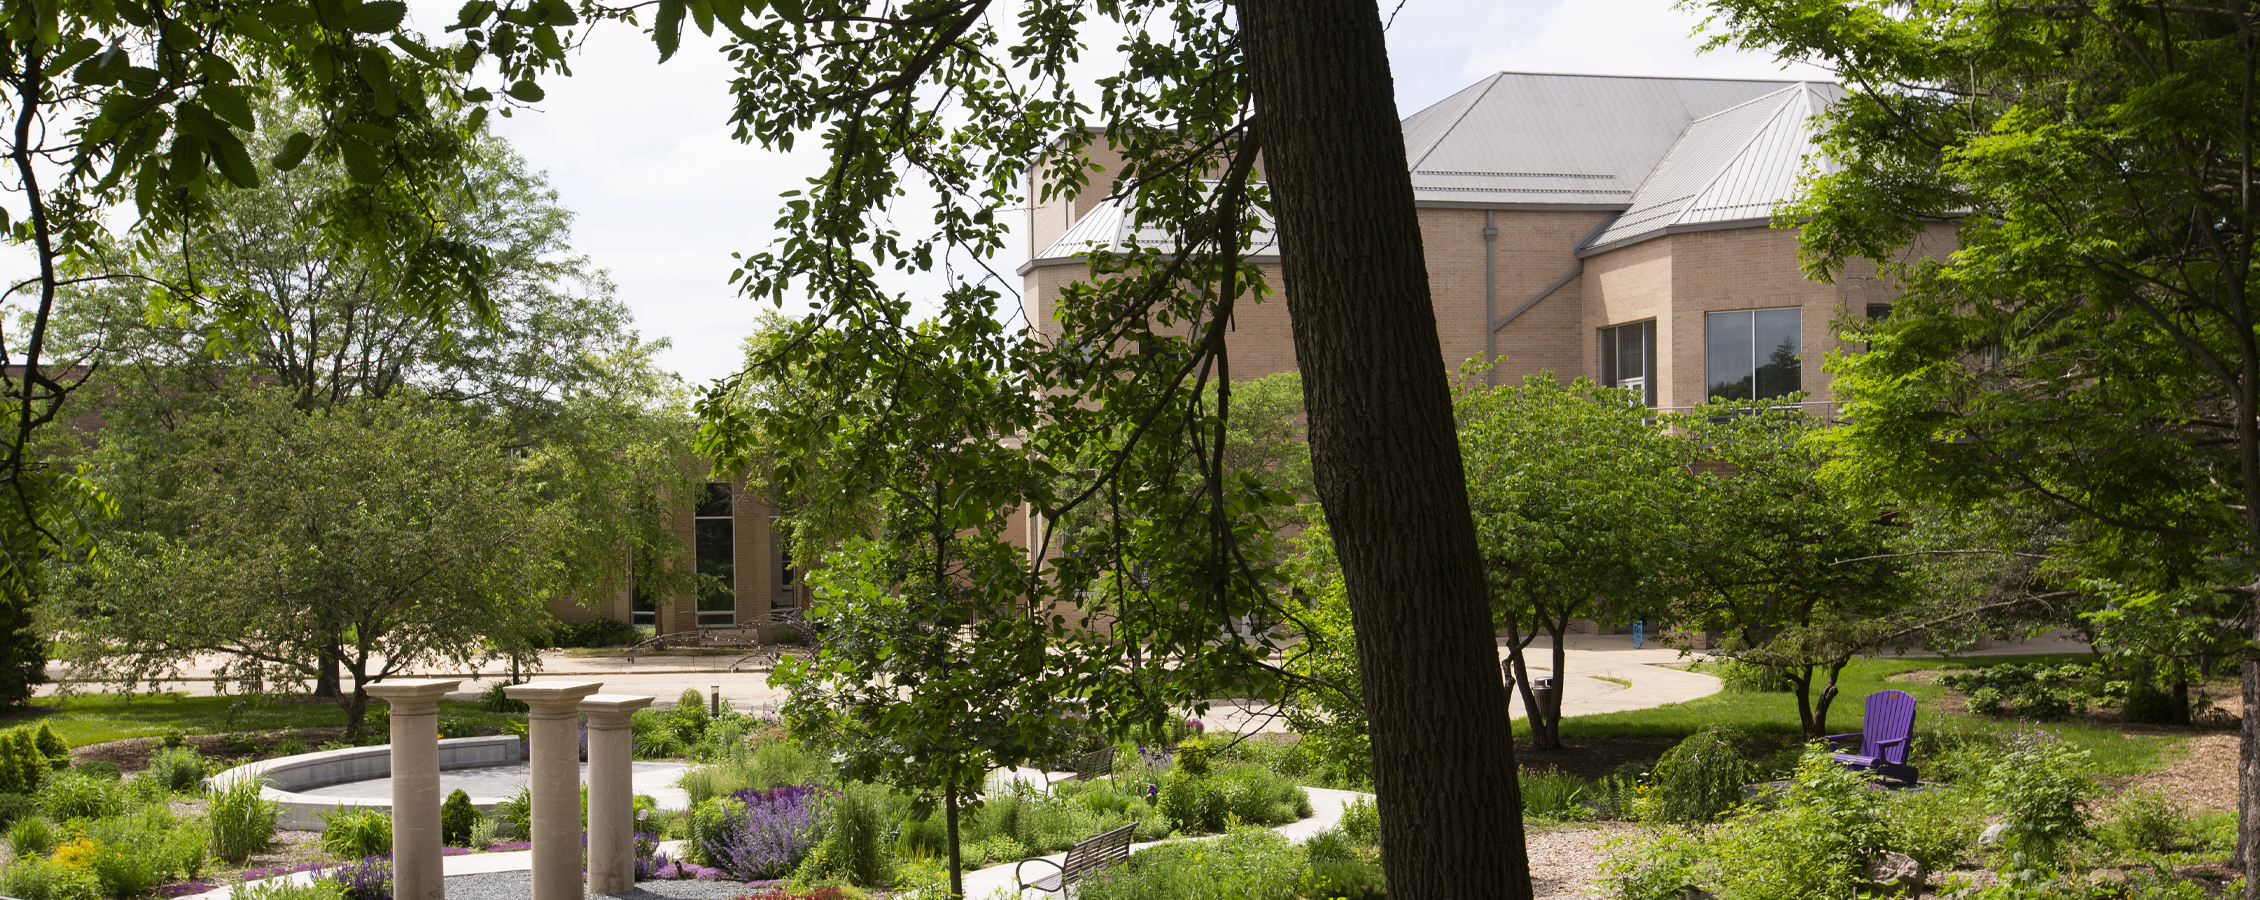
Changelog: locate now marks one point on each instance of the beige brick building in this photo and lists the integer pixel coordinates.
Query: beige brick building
(1617, 228)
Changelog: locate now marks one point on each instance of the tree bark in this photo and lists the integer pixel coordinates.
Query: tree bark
(2248, 780)
(949, 814)
(1384, 452)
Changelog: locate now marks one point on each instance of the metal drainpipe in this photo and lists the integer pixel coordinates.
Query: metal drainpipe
(1490, 297)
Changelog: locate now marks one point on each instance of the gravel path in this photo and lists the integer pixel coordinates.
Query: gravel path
(1565, 863)
(520, 885)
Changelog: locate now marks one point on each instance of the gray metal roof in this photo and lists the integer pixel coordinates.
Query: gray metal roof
(1558, 140)
(1728, 169)
(1672, 153)
(1109, 225)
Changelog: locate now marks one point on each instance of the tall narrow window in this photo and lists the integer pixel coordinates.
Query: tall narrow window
(784, 578)
(1754, 354)
(1628, 358)
(643, 601)
(716, 540)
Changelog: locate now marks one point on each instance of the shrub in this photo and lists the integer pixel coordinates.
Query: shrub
(355, 834)
(598, 632)
(22, 767)
(14, 807)
(73, 794)
(1361, 822)
(1192, 756)
(51, 746)
(136, 852)
(517, 813)
(1256, 863)
(33, 836)
(456, 816)
(291, 746)
(2041, 783)
(755, 835)
(369, 879)
(34, 878)
(1553, 795)
(1699, 779)
(178, 769)
(486, 832)
(1936, 827)
(494, 700)
(285, 889)
(2147, 820)
(2035, 692)
(241, 822)
(1738, 677)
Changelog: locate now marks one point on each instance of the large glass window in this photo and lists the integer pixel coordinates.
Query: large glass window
(643, 601)
(1754, 354)
(715, 539)
(1628, 358)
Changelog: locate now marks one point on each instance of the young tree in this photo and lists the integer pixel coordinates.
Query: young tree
(1798, 578)
(952, 95)
(147, 102)
(553, 364)
(390, 534)
(2092, 349)
(1574, 489)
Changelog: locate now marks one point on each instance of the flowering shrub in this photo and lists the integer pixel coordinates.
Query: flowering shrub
(755, 834)
(369, 879)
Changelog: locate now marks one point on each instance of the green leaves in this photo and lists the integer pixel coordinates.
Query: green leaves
(293, 151)
(667, 28)
(378, 16)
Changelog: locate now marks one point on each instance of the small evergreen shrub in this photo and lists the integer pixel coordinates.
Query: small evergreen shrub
(22, 767)
(240, 821)
(456, 818)
(51, 745)
(1700, 779)
(179, 769)
(355, 834)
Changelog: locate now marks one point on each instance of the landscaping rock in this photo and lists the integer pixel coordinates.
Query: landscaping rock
(1895, 869)
(2108, 877)
(1993, 833)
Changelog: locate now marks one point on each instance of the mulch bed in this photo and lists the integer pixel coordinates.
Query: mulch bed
(1591, 758)
(133, 754)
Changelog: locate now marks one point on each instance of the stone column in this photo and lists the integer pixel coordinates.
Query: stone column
(612, 816)
(553, 736)
(416, 873)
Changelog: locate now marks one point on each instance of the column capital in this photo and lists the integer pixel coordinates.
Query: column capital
(612, 710)
(552, 698)
(413, 695)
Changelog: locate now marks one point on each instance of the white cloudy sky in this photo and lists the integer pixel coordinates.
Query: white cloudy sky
(642, 153)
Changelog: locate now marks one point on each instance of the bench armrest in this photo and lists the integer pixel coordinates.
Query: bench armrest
(1894, 742)
(1023, 883)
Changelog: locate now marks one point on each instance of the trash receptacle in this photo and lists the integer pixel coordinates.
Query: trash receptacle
(1543, 688)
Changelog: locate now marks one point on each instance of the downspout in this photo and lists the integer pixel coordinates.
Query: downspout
(1490, 295)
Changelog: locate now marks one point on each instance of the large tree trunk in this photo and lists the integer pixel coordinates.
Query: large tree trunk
(2248, 780)
(1383, 449)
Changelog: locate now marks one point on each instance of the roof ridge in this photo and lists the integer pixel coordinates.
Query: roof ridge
(1800, 87)
(1736, 156)
(1447, 130)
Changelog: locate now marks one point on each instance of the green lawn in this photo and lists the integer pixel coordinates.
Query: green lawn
(95, 718)
(2115, 753)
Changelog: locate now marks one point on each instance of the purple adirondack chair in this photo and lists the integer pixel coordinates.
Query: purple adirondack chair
(1883, 738)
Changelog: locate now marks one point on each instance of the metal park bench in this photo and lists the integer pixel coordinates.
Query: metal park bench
(1093, 765)
(1088, 855)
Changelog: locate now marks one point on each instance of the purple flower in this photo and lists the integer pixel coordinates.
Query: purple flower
(1196, 726)
(182, 889)
(765, 834)
(369, 879)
